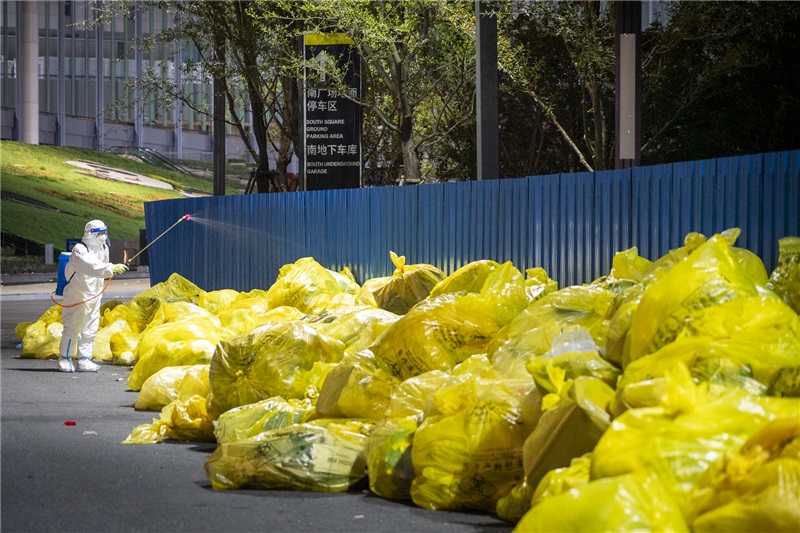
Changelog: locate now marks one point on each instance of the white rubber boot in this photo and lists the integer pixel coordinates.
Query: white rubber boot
(65, 365)
(87, 365)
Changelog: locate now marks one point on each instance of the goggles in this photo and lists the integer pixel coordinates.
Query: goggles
(99, 230)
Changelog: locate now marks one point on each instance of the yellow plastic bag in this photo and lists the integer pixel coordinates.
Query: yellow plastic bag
(189, 420)
(465, 384)
(628, 264)
(346, 281)
(516, 503)
(471, 458)
(19, 329)
(725, 337)
(469, 278)
(755, 489)
(360, 386)
(123, 347)
(183, 420)
(618, 338)
(140, 310)
(520, 500)
(414, 396)
(441, 332)
(173, 383)
(671, 306)
(560, 480)
(694, 427)
(174, 344)
(785, 279)
(538, 284)
(531, 333)
(171, 312)
(326, 455)
(175, 289)
(217, 301)
(249, 420)
(389, 466)
(41, 339)
(633, 502)
(246, 314)
(102, 342)
(136, 313)
(304, 284)
(574, 364)
(490, 285)
(276, 359)
(356, 326)
(407, 286)
(436, 334)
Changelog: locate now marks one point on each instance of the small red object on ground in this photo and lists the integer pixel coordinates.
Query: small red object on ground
(69, 423)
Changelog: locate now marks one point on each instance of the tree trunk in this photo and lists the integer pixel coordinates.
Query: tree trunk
(263, 176)
(287, 136)
(410, 160)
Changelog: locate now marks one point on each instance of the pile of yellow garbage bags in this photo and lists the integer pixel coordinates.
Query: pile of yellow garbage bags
(664, 396)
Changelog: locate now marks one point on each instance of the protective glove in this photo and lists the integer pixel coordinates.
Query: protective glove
(119, 268)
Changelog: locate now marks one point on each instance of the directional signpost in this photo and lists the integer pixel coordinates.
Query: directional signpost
(331, 118)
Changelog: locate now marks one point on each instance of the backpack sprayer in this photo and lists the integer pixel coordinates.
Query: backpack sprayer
(125, 260)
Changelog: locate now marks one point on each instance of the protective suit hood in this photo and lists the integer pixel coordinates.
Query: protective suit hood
(95, 234)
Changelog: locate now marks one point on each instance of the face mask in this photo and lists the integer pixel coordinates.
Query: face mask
(102, 238)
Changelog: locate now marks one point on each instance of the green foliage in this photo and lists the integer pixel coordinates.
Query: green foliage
(721, 79)
(718, 78)
(556, 62)
(418, 61)
(22, 264)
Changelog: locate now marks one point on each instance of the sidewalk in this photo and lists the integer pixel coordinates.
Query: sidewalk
(40, 286)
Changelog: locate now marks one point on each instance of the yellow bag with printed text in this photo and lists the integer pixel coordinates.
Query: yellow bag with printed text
(470, 456)
(276, 359)
(441, 332)
(710, 296)
(325, 455)
(249, 420)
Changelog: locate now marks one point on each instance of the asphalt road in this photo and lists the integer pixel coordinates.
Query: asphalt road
(81, 478)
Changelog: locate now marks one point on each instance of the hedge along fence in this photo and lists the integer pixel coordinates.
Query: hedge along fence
(569, 224)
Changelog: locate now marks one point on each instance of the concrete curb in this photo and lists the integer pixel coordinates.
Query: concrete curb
(46, 296)
(8, 280)
(122, 287)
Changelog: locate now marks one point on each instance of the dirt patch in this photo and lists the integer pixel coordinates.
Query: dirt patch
(119, 204)
(25, 200)
(101, 171)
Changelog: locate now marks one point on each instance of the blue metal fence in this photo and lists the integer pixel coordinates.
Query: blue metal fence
(569, 224)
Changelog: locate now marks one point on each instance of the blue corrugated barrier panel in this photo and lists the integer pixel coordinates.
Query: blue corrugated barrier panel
(569, 224)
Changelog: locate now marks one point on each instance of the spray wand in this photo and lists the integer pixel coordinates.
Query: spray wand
(184, 217)
(126, 261)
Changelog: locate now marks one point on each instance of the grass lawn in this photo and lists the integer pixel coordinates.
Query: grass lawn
(63, 198)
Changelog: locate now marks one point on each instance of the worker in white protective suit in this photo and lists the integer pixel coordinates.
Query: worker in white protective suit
(86, 271)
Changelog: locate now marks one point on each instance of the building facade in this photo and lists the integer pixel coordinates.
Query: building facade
(69, 80)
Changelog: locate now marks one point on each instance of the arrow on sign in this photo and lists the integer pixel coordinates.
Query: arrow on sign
(320, 61)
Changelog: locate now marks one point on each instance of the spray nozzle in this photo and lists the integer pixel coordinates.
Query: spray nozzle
(186, 216)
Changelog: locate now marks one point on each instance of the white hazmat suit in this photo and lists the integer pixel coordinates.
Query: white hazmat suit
(86, 271)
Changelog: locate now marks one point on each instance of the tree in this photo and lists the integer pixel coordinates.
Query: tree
(233, 46)
(721, 79)
(418, 60)
(561, 56)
